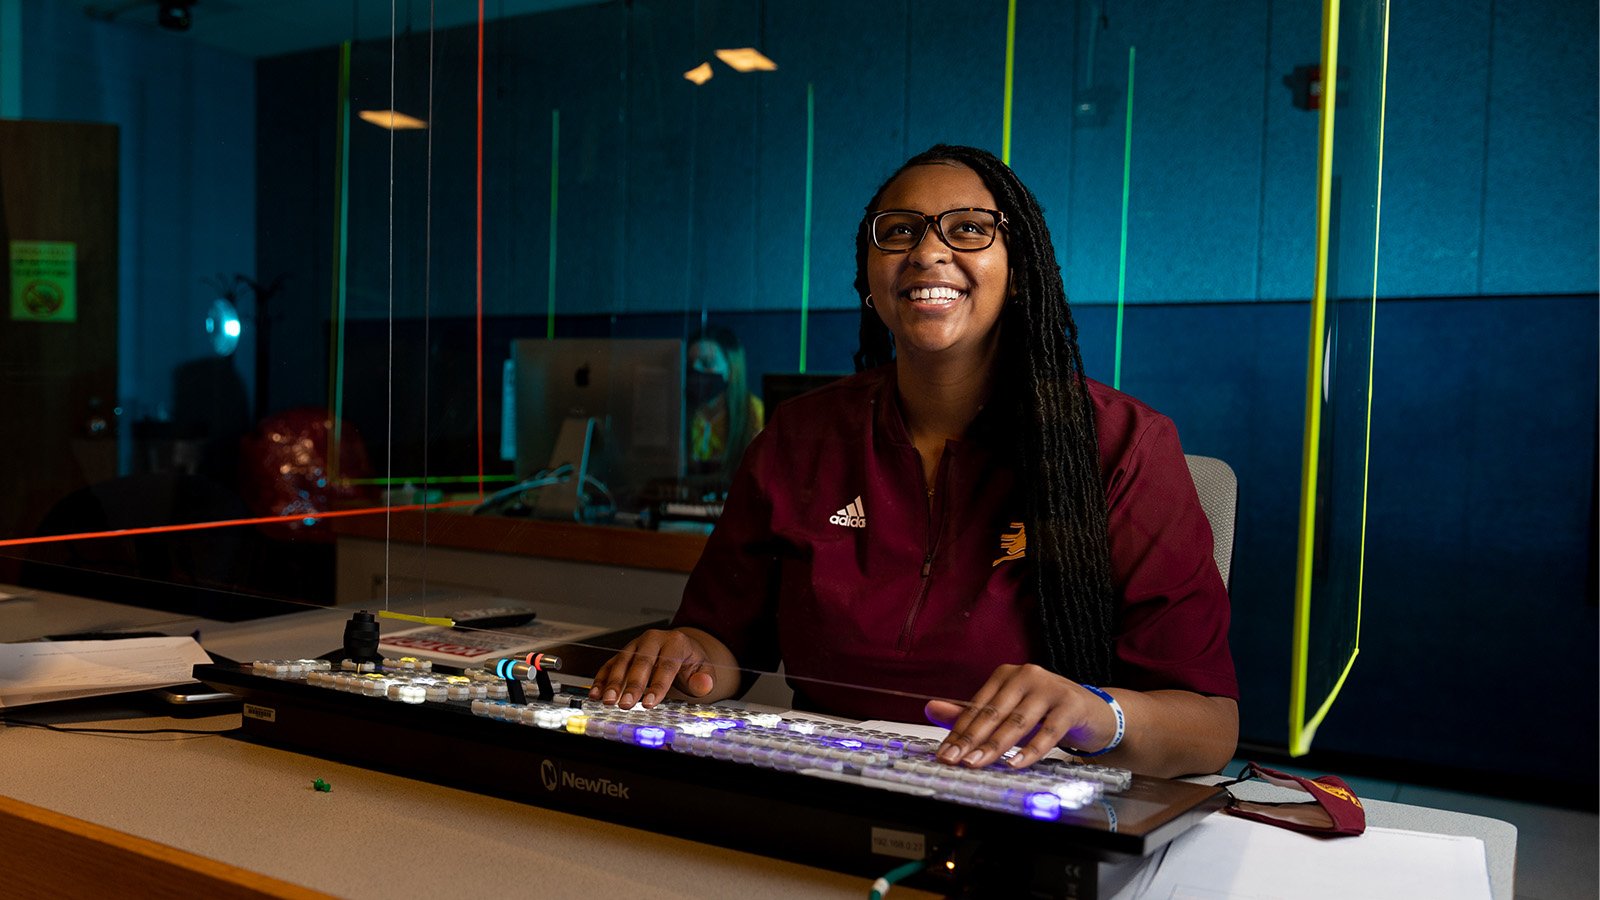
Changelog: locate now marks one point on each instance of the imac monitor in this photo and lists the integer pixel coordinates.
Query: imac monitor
(778, 387)
(620, 397)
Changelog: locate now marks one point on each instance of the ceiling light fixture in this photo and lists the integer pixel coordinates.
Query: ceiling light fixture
(394, 121)
(699, 74)
(746, 59)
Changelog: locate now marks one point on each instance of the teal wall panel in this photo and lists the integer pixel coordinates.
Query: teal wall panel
(1540, 190)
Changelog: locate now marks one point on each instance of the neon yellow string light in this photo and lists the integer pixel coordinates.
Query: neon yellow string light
(441, 621)
(1011, 59)
(1299, 733)
(1372, 338)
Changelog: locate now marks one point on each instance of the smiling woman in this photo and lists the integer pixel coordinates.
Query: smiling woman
(969, 529)
(943, 293)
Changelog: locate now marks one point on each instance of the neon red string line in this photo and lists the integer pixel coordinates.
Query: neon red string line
(227, 523)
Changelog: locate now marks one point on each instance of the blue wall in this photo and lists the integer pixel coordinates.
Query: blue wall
(187, 190)
(679, 197)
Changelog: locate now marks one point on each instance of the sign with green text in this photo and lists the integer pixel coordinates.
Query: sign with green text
(44, 281)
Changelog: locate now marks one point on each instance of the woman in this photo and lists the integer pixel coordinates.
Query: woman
(968, 516)
(723, 415)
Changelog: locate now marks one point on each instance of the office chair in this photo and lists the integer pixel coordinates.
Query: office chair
(1219, 497)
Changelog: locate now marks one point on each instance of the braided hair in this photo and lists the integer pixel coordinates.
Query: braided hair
(1057, 455)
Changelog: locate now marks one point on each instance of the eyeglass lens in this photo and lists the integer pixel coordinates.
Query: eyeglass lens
(962, 229)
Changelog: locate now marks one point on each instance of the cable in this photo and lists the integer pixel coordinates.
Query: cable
(543, 478)
(603, 505)
(48, 727)
(893, 876)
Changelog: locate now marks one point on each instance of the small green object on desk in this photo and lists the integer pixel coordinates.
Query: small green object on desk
(322, 786)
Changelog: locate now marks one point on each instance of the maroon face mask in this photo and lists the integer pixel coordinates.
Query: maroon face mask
(1334, 809)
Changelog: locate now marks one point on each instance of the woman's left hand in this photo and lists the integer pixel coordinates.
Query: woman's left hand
(1022, 703)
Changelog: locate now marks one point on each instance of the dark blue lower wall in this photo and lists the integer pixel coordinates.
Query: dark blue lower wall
(1479, 617)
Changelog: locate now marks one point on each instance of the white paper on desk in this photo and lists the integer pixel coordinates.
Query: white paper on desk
(1227, 858)
(40, 671)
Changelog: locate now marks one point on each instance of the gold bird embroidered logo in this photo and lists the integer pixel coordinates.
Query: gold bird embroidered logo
(1339, 792)
(1014, 545)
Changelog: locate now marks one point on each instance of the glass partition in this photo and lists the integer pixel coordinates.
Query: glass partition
(294, 283)
(1339, 400)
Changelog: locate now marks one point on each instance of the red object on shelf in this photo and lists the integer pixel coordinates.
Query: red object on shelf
(286, 471)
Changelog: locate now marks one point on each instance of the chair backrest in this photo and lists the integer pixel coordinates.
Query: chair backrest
(1219, 497)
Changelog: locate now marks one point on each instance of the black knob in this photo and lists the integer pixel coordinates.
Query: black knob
(361, 638)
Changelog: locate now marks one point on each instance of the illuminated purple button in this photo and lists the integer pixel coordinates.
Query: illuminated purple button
(650, 736)
(1042, 805)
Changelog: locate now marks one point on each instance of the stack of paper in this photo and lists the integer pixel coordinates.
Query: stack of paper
(42, 671)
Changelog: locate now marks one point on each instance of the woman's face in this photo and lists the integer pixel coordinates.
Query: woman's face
(932, 298)
(708, 375)
(707, 356)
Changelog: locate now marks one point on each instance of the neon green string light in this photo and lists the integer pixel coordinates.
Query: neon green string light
(805, 241)
(426, 482)
(341, 253)
(1011, 59)
(555, 179)
(1122, 258)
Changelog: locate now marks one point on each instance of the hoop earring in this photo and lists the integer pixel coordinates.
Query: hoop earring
(868, 301)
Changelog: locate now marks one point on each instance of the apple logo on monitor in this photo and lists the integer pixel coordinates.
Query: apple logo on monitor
(581, 376)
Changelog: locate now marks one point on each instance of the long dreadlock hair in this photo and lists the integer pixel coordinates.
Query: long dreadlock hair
(1058, 456)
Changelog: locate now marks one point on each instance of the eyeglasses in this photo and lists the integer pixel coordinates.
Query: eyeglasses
(969, 229)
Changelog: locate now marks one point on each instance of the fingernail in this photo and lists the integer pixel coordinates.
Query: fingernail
(973, 757)
(1015, 762)
(610, 697)
(626, 702)
(649, 700)
(949, 752)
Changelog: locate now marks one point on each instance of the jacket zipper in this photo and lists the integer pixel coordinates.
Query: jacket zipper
(935, 526)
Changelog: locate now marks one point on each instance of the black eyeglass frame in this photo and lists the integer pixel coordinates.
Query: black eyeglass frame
(937, 221)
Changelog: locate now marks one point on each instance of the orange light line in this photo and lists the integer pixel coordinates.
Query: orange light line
(226, 523)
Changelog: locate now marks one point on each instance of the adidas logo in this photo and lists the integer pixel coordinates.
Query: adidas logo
(852, 516)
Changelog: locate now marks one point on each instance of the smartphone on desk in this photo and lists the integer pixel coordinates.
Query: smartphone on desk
(192, 695)
(189, 701)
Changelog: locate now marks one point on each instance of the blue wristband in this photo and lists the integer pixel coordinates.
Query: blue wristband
(1121, 723)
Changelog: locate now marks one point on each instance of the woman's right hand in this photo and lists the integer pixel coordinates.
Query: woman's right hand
(655, 662)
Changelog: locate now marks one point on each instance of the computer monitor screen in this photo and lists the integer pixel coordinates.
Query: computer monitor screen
(779, 387)
(631, 388)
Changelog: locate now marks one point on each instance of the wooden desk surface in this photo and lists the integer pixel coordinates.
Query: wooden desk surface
(372, 835)
(606, 545)
(254, 807)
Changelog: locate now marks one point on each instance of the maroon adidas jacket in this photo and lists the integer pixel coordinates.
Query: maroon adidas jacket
(828, 557)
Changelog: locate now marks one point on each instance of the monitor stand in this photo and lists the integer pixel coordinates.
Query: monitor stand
(574, 445)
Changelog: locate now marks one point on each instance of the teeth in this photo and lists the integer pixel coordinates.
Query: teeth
(933, 294)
